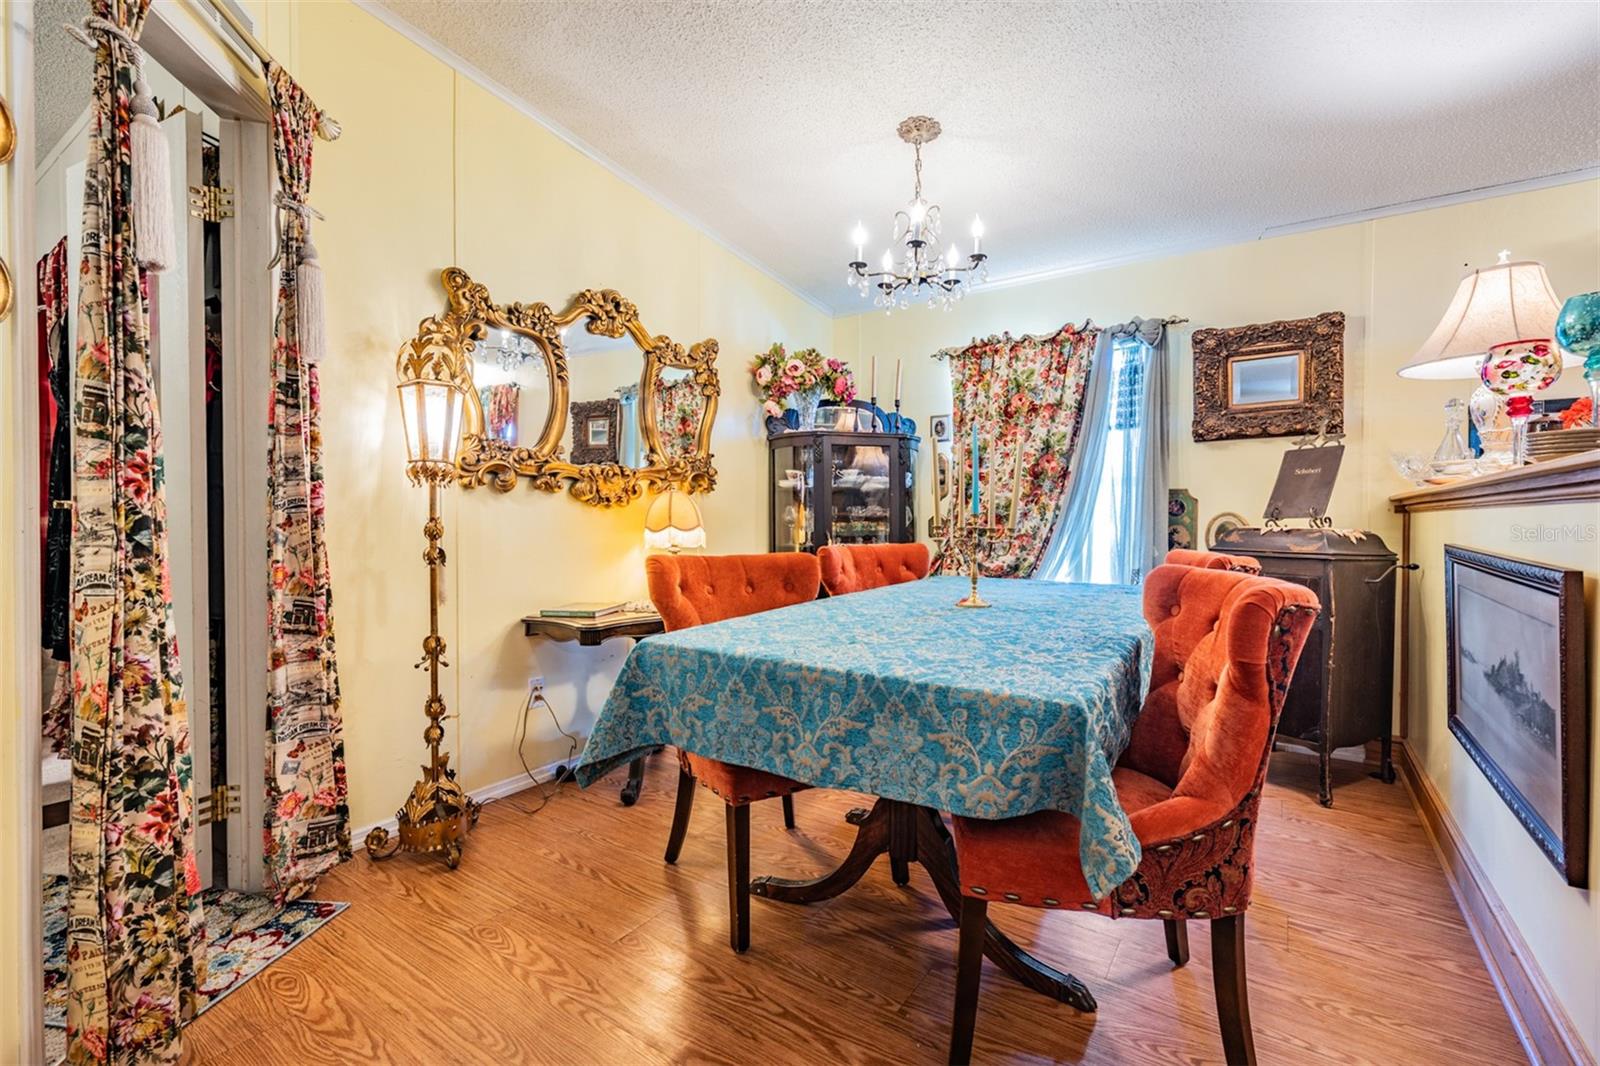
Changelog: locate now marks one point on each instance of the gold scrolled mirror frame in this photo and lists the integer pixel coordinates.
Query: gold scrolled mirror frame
(500, 465)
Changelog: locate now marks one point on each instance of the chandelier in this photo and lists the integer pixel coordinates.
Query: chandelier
(923, 270)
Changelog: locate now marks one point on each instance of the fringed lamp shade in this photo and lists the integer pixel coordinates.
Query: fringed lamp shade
(432, 412)
(1498, 304)
(673, 522)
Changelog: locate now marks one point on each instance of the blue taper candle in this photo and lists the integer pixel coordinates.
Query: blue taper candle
(974, 468)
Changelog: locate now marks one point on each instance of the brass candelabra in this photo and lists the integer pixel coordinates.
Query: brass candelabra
(962, 539)
(438, 813)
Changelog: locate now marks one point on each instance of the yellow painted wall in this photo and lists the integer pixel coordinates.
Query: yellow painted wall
(432, 170)
(1392, 278)
(1560, 924)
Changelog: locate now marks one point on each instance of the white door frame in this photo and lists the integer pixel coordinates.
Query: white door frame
(180, 35)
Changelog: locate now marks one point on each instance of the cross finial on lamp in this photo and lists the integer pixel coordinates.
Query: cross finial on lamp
(1505, 255)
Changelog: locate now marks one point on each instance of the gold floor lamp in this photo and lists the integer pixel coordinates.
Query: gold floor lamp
(433, 383)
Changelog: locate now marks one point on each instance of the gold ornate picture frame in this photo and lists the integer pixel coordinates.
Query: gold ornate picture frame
(1225, 411)
(500, 464)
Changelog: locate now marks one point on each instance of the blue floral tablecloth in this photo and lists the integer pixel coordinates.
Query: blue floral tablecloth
(898, 693)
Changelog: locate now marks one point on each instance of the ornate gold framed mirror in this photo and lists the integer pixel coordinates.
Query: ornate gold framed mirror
(532, 367)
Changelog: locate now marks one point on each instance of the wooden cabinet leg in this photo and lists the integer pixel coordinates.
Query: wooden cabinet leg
(788, 811)
(630, 789)
(969, 975)
(1233, 994)
(739, 876)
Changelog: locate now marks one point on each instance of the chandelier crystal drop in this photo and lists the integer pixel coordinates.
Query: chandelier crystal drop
(916, 265)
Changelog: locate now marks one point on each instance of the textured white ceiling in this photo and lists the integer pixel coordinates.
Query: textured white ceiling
(1082, 132)
(62, 69)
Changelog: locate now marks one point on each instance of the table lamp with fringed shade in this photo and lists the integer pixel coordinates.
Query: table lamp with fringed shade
(674, 523)
(435, 389)
(1500, 328)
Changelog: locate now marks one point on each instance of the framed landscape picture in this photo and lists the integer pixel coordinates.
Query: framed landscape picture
(1514, 642)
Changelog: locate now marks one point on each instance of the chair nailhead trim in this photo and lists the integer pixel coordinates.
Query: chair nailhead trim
(1165, 847)
(1229, 910)
(1090, 906)
(1165, 914)
(1197, 838)
(1048, 902)
(978, 890)
(1127, 910)
(1227, 823)
(1012, 897)
(1201, 914)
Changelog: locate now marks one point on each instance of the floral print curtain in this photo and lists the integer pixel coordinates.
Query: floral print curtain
(56, 603)
(135, 938)
(679, 407)
(1025, 393)
(308, 817)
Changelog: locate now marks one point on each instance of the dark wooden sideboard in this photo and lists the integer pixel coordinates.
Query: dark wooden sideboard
(1343, 690)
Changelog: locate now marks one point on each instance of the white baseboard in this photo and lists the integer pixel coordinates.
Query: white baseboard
(487, 794)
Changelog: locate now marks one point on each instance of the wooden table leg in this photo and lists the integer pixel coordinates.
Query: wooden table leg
(872, 840)
(908, 833)
(630, 790)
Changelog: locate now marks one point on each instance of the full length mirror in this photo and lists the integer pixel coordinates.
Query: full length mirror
(587, 398)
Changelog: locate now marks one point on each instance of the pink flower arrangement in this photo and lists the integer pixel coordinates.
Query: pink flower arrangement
(777, 375)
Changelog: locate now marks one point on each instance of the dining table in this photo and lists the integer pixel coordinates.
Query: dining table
(935, 709)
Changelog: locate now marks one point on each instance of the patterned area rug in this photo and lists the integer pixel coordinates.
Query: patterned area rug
(244, 935)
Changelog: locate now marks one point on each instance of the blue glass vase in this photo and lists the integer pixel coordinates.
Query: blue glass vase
(1578, 331)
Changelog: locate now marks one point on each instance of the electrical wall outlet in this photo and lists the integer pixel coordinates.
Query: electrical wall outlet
(535, 685)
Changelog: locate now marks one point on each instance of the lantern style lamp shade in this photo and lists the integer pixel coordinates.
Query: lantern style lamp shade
(431, 410)
(1495, 305)
(673, 522)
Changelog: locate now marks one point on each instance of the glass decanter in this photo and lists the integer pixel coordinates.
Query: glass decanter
(1452, 458)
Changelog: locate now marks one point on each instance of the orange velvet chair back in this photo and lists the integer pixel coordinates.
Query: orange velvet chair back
(1226, 645)
(858, 567)
(691, 590)
(1213, 560)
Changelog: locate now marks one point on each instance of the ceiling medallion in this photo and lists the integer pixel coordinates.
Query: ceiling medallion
(923, 270)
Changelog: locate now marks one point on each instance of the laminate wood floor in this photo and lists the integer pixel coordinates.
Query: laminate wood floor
(563, 938)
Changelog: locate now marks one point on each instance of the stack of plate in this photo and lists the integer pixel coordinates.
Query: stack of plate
(1554, 443)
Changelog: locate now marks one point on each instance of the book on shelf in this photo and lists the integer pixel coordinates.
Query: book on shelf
(581, 610)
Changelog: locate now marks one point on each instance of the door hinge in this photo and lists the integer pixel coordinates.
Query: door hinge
(216, 805)
(211, 203)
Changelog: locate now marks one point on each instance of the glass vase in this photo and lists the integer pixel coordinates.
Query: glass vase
(1452, 457)
(805, 406)
(1494, 429)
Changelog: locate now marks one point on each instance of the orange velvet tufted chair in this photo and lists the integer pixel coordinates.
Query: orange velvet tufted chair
(1244, 564)
(1226, 645)
(691, 590)
(858, 567)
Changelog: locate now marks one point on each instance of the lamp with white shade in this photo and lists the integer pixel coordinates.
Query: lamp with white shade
(1502, 316)
(674, 523)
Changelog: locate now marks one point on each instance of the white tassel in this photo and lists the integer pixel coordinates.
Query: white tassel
(152, 185)
(309, 307)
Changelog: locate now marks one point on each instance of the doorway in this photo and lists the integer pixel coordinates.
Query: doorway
(210, 321)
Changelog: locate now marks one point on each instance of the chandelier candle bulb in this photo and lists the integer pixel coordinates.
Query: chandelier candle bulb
(977, 235)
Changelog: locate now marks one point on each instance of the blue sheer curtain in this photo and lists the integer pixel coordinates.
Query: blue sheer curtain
(1113, 527)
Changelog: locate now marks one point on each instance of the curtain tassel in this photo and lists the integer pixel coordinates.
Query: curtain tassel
(309, 312)
(152, 185)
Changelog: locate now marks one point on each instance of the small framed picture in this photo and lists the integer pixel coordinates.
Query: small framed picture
(1514, 659)
(939, 426)
(595, 428)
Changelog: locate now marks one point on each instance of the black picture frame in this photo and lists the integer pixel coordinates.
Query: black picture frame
(1565, 844)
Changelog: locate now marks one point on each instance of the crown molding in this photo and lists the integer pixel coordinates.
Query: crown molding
(518, 103)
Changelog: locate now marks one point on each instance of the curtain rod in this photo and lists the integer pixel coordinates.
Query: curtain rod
(961, 349)
(265, 56)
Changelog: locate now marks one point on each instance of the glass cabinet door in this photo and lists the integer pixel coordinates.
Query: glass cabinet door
(793, 516)
(859, 493)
